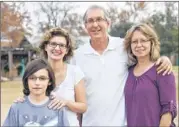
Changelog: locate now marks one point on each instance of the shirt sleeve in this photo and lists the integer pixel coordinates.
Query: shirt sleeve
(11, 119)
(167, 92)
(79, 75)
(63, 120)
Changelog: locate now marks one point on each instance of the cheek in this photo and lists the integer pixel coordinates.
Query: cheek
(46, 49)
(30, 85)
(132, 48)
(149, 48)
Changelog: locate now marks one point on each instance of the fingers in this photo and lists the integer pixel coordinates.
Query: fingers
(53, 103)
(166, 68)
(166, 71)
(56, 104)
(61, 105)
(19, 100)
(161, 67)
(170, 70)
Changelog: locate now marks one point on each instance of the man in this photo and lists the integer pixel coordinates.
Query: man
(105, 64)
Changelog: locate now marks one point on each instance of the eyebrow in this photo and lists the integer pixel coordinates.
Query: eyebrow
(57, 42)
(39, 75)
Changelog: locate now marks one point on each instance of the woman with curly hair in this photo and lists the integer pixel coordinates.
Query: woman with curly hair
(57, 48)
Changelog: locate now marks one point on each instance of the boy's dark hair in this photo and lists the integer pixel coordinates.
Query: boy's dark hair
(33, 67)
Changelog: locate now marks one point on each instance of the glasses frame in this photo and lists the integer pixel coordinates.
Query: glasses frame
(98, 20)
(40, 78)
(142, 42)
(61, 46)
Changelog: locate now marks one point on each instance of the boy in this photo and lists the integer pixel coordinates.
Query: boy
(38, 82)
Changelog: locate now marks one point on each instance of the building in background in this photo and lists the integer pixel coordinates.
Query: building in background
(15, 57)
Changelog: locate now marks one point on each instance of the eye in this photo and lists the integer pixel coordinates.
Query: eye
(99, 19)
(53, 44)
(90, 21)
(42, 78)
(143, 41)
(32, 78)
(62, 45)
(134, 42)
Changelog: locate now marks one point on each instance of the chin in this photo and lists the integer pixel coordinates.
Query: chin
(56, 58)
(97, 36)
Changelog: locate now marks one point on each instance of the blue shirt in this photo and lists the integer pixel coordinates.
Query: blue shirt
(28, 114)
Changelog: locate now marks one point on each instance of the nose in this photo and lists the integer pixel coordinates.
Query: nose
(95, 24)
(58, 47)
(138, 44)
(37, 82)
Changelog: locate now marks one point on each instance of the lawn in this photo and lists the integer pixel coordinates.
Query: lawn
(13, 89)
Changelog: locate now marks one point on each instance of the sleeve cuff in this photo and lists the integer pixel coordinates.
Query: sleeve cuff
(169, 107)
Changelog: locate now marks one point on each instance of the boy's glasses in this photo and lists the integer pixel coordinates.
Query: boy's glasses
(41, 78)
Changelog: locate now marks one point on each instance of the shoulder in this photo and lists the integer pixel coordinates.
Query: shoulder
(17, 106)
(168, 77)
(130, 68)
(82, 48)
(116, 40)
(74, 67)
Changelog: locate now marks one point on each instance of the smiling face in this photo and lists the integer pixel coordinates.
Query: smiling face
(38, 83)
(96, 24)
(56, 48)
(140, 45)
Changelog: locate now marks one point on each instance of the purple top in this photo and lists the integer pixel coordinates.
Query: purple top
(149, 96)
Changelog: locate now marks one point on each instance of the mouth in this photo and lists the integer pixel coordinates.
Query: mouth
(57, 53)
(37, 88)
(139, 50)
(95, 31)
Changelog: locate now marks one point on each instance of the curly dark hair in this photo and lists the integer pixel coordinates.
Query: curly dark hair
(33, 67)
(58, 32)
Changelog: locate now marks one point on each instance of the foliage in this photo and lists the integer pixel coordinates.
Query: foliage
(59, 14)
(165, 24)
(13, 26)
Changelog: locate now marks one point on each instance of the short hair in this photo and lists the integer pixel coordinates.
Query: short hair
(34, 66)
(93, 7)
(149, 32)
(57, 32)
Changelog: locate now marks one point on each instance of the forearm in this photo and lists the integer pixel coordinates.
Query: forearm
(78, 107)
(165, 120)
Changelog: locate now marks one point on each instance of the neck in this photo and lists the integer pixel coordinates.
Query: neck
(145, 61)
(57, 65)
(99, 44)
(37, 98)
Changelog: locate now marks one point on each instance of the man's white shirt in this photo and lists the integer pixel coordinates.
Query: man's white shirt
(105, 78)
